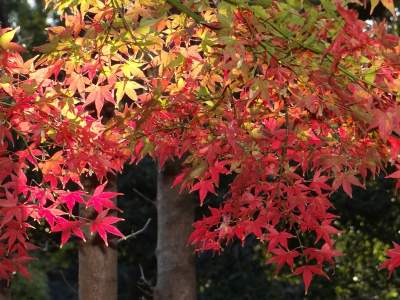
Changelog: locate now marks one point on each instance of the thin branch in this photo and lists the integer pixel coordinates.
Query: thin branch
(195, 16)
(67, 283)
(341, 68)
(143, 196)
(134, 234)
(282, 167)
(143, 278)
(349, 74)
(187, 11)
(121, 10)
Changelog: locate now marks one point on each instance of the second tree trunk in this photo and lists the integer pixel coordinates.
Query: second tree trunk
(176, 273)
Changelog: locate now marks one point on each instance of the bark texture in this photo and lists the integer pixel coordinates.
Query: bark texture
(5, 295)
(98, 265)
(4, 290)
(176, 273)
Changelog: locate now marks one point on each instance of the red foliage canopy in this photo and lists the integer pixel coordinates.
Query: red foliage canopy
(297, 101)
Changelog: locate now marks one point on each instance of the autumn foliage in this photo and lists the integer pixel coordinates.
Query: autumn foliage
(294, 100)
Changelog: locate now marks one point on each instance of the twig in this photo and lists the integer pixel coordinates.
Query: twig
(346, 72)
(187, 11)
(143, 196)
(349, 74)
(143, 278)
(195, 16)
(133, 234)
(67, 283)
(285, 141)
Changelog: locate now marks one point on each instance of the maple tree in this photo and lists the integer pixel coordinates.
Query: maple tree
(295, 100)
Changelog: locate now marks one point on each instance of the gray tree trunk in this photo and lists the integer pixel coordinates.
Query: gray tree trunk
(4, 290)
(98, 265)
(176, 272)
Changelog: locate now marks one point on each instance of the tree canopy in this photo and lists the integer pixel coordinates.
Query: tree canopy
(294, 100)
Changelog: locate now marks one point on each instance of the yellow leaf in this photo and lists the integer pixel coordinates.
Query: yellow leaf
(6, 38)
(256, 133)
(84, 7)
(120, 91)
(210, 103)
(165, 58)
(132, 69)
(374, 3)
(128, 88)
(181, 84)
(134, 85)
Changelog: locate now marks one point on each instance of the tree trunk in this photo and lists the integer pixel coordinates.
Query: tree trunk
(176, 273)
(5, 295)
(98, 265)
(4, 290)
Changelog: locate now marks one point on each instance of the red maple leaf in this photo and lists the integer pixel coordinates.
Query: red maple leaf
(346, 181)
(218, 168)
(50, 214)
(10, 201)
(326, 253)
(283, 257)
(100, 199)
(395, 143)
(71, 198)
(275, 237)
(308, 272)
(325, 230)
(393, 261)
(97, 95)
(204, 187)
(103, 224)
(15, 231)
(67, 228)
(319, 183)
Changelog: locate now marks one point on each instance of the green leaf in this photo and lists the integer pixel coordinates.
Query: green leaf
(370, 77)
(263, 3)
(178, 5)
(203, 92)
(310, 41)
(329, 7)
(132, 68)
(259, 11)
(225, 13)
(177, 61)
